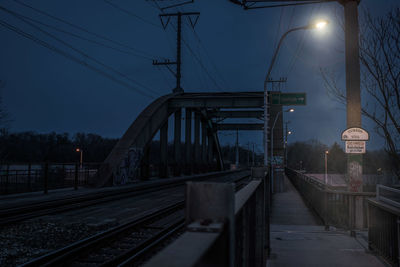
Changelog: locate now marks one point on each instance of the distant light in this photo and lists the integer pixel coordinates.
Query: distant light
(289, 132)
(77, 150)
(327, 152)
(291, 110)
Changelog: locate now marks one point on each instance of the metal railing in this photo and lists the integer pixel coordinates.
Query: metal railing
(223, 228)
(341, 209)
(45, 176)
(384, 219)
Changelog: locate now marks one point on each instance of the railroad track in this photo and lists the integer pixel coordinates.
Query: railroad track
(126, 244)
(20, 213)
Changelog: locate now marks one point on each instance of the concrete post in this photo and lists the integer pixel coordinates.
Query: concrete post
(204, 146)
(217, 205)
(164, 150)
(177, 143)
(188, 141)
(197, 159)
(263, 197)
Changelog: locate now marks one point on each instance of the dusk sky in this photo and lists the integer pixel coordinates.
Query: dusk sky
(47, 92)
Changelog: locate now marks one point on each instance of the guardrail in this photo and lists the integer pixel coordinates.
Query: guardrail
(384, 219)
(222, 228)
(341, 209)
(46, 176)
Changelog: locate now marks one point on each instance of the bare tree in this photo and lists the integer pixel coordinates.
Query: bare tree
(380, 78)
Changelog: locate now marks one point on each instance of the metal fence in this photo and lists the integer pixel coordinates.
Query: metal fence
(341, 209)
(384, 219)
(45, 176)
(223, 228)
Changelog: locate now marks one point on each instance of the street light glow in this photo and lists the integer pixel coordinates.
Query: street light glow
(321, 24)
(289, 132)
(291, 110)
(77, 150)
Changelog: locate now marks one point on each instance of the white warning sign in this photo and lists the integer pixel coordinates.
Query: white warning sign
(355, 147)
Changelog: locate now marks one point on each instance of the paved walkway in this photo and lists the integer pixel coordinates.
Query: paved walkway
(299, 239)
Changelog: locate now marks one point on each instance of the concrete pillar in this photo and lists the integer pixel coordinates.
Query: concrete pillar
(145, 164)
(188, 141)
(204, 146)
(197, 158)
(177, 143)
(164, 150)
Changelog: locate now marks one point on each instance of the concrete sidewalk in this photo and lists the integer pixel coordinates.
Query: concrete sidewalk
(299, 239)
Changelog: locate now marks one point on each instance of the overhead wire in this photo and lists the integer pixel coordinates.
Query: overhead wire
(18, 16)
(111, 40)
(71, 57)
(130, 13)
(221, 77)
(84, 38)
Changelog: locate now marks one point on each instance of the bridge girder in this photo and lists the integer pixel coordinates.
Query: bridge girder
(153, 118)
(219, 100)
(236, 114)
(240, 126)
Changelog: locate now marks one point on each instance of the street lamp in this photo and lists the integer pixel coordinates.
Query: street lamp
(326, 167)
(315, 25)
(272, 145)
(81, 151)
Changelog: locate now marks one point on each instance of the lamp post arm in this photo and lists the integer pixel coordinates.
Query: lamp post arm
(277, 50)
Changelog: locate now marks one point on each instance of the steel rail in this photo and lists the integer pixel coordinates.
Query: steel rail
(67, 255)
(20, 213)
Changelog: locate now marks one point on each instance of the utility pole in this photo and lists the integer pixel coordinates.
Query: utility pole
(178, 62)
(353, 96)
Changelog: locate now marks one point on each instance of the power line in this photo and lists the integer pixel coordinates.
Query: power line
(73, 48)
(221, 77)
(71, 57)
(83, 38)
(130, 13)
(202, 65)
(78, 27)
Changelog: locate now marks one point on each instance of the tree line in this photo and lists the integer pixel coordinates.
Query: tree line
(31, 147)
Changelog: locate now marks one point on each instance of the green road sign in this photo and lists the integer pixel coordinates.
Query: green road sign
(288, 99)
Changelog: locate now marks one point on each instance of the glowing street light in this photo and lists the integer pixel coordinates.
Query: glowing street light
(319, 24)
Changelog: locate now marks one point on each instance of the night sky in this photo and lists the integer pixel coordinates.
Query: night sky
(47, 92)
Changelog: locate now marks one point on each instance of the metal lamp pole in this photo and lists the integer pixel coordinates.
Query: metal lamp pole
(272, 145)
(316, 25)
(81, 156)
(326, 167)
